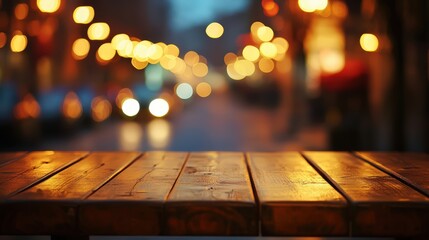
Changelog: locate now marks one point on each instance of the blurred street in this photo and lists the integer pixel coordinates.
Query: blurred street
(215, 123)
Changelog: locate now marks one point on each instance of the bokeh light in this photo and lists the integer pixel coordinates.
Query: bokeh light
(214, 30)
(251, 53)
(268, 50)
(265, 33)
(184, 91)
(48, 6)
(229, 58)
(80, 48)
(18, 42)
(139, 65)
(159, 107)
(72, 107)
(118, 40)
(271, 8)
(100, 109)
(282, 44)
(155, 52)
(244, 67)
(27, 108)
(369, 42)
(122, 95)
(21, 11)
(266, 65)
(200, 69)
(331, 61)
(312, 5)
(98, 31)
(203, 89)
(106, 52)
(191, 58)
(130, 107)
(83, 14)
(172, 50)
(232, 73)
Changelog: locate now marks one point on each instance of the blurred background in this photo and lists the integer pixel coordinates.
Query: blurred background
(233, 75)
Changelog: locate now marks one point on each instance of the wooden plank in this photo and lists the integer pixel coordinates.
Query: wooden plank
(381, 204)
(132, 203)
(50, 207)
(294, 199)
(212, 196)
(6, 157)
(412, 168)
(30, 169)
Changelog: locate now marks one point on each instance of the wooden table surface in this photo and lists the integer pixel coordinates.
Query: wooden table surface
(377, 194)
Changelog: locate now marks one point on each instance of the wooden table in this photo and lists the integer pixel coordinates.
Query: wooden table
(77, 194)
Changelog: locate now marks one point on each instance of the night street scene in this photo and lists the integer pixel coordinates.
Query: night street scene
(214, 75)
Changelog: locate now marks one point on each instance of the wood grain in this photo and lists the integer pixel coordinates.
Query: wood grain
(6, 157)
(50, 207)
(381, 204)
(294, 199)
(29, 169)
(132, 203)
(413, 168)
(212, 196)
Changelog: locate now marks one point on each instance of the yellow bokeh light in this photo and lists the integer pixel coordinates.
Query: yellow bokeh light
(203, 89)
(98, 31)
(125, 48)
(137, 64)
(268, 50)
(130, 107)
(172, 50)
(200, 69)
(255, 26)
(83, 14)
(118, 39)
(168, 62)
(230, 70)
(18, 43)
(159, 107)
(251, 53)
(72, 107)
(141, 50)
(179, 67)
(244, 67)
(155, 53)
(331, 61)
(3, 39)
(266, 65)
(48, 6)
(80, 48)
(229, 58)
(282, 44)
(214, 30)
(106, 52)
(100, 109)
(265, 33)
(191, 58)
(312, 5)
(184, 91)
(21, 11)
(369, 42)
